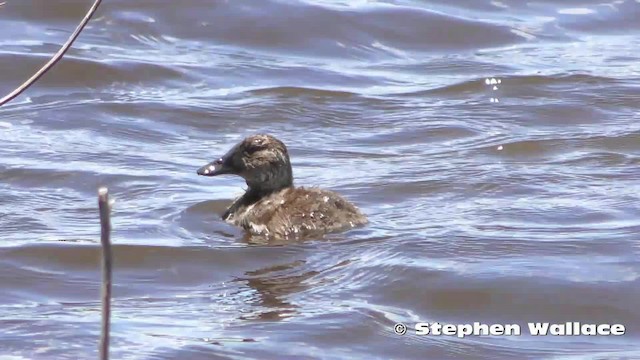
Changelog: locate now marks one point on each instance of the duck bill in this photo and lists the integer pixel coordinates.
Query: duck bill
(214, 168)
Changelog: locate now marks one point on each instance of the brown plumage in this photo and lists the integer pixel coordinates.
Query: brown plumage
(272, 206)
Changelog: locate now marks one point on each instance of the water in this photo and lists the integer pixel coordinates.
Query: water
(494, 145)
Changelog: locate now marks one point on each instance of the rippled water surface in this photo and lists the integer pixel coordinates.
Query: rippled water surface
(494, 145)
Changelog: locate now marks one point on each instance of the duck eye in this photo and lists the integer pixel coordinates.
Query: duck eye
(255, 145)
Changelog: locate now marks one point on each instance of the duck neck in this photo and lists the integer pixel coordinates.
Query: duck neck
(260, 189)
(270, 182)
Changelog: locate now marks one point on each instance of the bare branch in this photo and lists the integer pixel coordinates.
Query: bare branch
(105, 238)
(56, 57)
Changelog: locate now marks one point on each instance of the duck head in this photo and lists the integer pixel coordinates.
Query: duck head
(262, 160)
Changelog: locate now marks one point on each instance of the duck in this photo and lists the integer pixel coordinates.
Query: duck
(272, 206)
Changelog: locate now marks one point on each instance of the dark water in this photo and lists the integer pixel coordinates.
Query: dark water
(495, 146)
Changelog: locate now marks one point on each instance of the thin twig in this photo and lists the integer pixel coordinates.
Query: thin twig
(105, 238)
(56, 57)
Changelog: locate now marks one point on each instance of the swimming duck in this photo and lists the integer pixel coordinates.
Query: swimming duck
(272, 206)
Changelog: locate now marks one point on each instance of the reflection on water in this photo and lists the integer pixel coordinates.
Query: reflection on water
(273, 285)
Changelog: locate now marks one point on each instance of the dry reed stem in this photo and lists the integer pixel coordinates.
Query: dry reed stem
(56, 57)
(105, 238)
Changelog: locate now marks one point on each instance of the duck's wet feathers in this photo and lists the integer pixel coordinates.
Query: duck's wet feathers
(295, 213)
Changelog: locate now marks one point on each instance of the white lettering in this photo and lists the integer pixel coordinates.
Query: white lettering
(589, 329)
(449, 329)
(496, 329)
(537, 329)
(480, 329)
(618, 329)
(603, 329)
(512, 329)
(436, 328)
(557, 329)
(422, 328)
(464, 330)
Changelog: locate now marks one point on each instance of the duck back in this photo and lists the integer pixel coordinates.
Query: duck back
(294, 213)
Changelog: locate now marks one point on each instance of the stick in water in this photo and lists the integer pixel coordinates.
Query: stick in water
(56, 57)
(105, 238)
